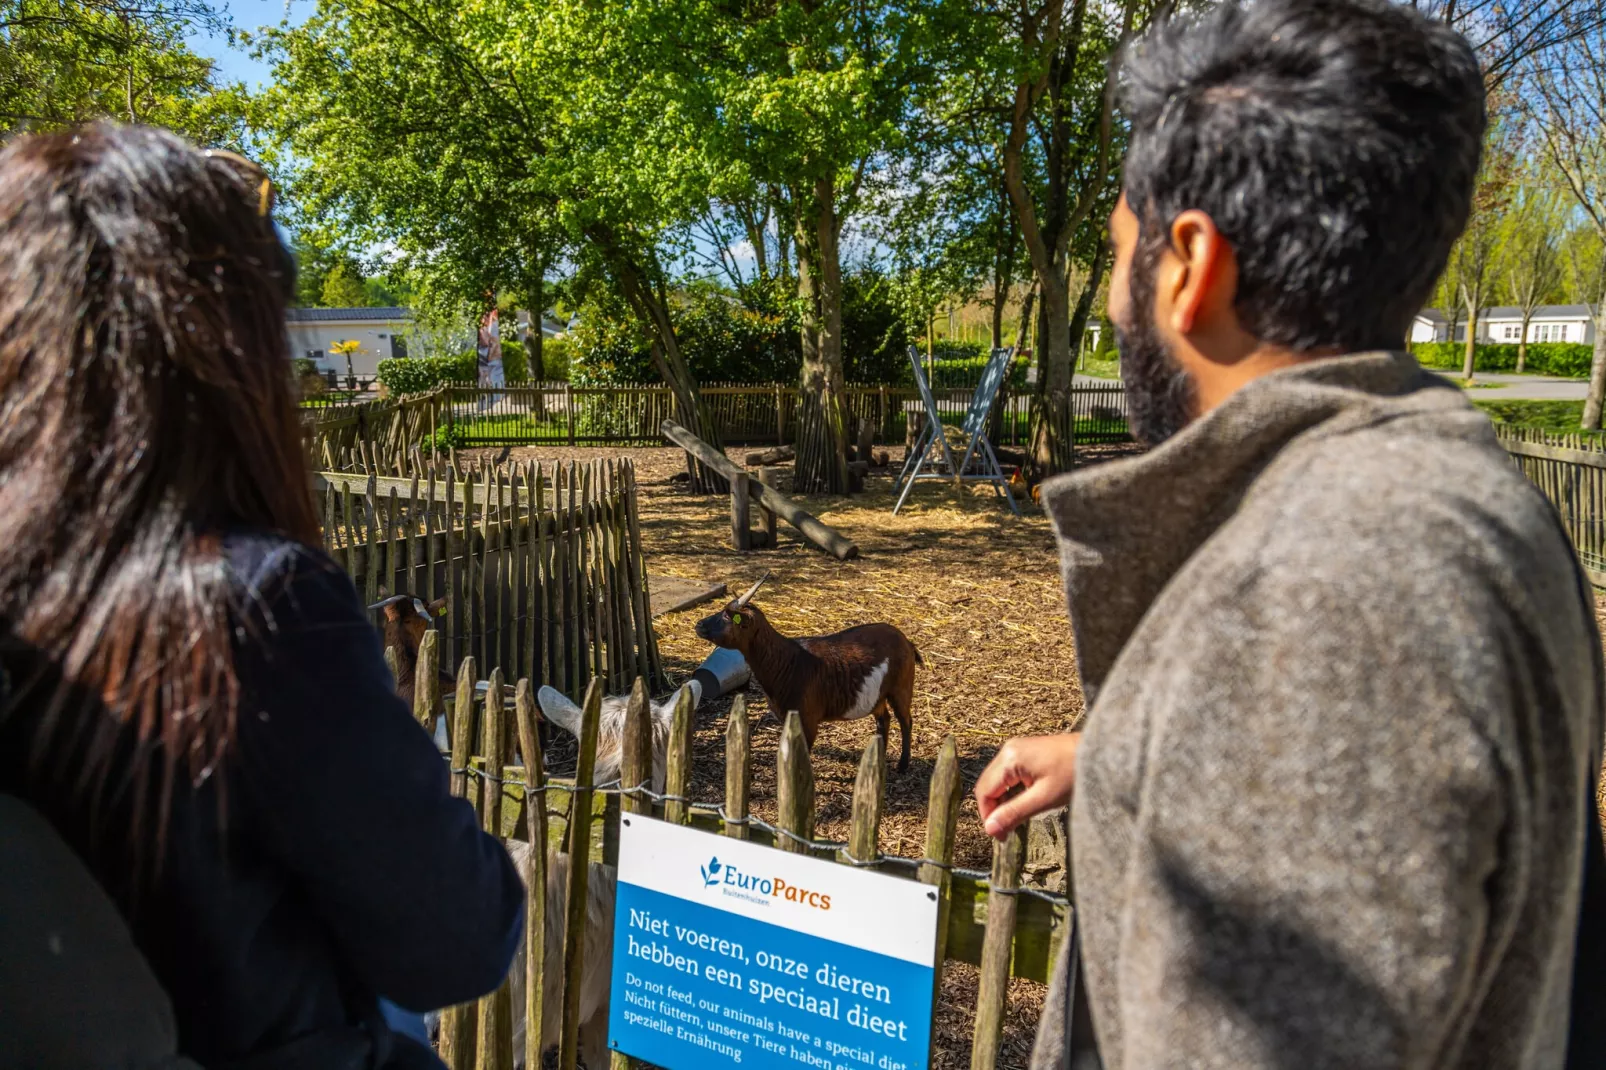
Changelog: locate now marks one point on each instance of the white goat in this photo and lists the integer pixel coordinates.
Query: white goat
(557, 708)
(597, 955)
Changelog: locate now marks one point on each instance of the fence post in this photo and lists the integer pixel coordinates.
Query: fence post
(740, 521)
(738, 768)
(427, 681)
(635, 769)
(678, 778)
(996, 946)
(574, 898)
(794, 786)
(458, 1023)
(766, 476)
(942, 818)
(568, 408)
(534, 876)
(494, 1048)
(780, 417)
(864, 834)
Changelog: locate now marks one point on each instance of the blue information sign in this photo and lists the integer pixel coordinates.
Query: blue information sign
(727, 953)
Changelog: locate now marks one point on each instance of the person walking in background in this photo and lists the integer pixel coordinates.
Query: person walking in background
(198, 704)
(1335, 792)
(488, 349)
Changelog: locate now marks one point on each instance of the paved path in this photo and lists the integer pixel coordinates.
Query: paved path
(1505, 386)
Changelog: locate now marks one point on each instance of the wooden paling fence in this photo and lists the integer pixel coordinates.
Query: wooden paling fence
(762, 414)
(986, 919)
(1570, 470)
(541, 565)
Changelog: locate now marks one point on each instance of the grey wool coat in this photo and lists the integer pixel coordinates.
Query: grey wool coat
(1346, 717)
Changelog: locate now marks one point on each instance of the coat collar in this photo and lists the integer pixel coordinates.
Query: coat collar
(1126, 527)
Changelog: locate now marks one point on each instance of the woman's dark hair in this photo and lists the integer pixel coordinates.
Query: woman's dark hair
(1335, 145)
(146, 407)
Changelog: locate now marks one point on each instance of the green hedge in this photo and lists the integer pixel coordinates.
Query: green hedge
(1570, 359)
(961, 372)
(411, 375)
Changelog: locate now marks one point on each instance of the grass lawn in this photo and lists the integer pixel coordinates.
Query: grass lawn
(1100, 369)
(1554, 417)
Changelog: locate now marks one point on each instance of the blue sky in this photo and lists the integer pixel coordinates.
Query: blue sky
(234, 64)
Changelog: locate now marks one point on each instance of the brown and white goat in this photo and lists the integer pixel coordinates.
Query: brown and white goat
(596, 953)
(863, 671)
(406, 620)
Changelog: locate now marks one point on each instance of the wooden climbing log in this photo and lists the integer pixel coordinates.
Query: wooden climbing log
(824, 536)
(771, 456)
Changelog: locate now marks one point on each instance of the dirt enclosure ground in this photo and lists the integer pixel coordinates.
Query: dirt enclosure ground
(975, 588)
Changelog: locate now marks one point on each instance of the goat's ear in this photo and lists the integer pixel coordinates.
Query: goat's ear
(437, 607)
(557, 708)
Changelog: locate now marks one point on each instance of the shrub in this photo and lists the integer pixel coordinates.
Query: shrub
(515, 362)
(443, 438)
(309, 380)
(555, 360)
(726, 341)
(410, 375)
(962, 372)
(1571, 359)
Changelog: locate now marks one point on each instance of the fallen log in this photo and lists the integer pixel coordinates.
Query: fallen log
(770, 456)
(822, 535)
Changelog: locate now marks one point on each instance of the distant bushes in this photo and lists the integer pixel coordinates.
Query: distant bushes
(961, 372)
(726, 341)
(411, 375)
(1569, 359)
(309, 380)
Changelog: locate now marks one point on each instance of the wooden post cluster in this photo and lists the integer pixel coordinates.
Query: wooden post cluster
(542, 568)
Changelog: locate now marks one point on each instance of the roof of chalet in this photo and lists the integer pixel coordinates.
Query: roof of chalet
(1512, 312)
(347, 315)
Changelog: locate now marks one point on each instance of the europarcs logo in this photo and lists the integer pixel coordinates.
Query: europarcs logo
(732, 881)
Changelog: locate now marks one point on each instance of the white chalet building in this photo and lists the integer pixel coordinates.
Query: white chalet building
(1549, 323)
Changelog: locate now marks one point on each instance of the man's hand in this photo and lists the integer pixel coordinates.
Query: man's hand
(1044, 765)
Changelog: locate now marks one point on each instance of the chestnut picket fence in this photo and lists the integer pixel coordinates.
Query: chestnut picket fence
(986, 919)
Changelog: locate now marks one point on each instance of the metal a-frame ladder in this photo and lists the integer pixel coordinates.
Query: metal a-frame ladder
(920, 464)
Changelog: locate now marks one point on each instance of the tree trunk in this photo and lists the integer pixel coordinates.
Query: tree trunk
(1003, 267)
(1597, 371)
(822, 458)
(1522, 341)
(1473, 301)
(534, 341)
(1084, 302)
(691, 412)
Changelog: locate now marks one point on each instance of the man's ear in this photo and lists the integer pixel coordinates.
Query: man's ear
(1200, 274)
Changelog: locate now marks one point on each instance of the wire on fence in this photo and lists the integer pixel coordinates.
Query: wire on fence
(839, 847)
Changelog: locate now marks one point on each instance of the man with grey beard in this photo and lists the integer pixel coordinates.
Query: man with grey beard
(1334, 797)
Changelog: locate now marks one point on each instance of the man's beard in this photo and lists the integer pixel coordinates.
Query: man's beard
(1159, 394)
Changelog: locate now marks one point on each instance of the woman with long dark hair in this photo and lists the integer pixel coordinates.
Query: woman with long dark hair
(199, 704)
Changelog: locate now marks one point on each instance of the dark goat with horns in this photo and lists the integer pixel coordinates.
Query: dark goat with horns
(865, 670)
(407, 618)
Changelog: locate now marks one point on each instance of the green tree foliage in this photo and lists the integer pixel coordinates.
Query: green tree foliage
(64, 62)
(342, 289)
(486, 139)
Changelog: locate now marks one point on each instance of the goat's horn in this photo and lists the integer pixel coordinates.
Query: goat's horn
(392, 600)
(751, 591)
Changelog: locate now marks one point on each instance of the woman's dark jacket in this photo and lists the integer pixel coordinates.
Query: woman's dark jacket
(324, 867)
